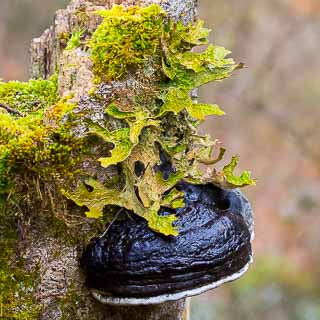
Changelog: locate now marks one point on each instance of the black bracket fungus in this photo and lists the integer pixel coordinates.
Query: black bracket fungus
(131, 264)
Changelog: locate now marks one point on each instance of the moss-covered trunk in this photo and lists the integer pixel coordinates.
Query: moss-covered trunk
(50, 251)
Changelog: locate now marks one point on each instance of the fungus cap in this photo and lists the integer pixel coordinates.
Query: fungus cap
(132, 265)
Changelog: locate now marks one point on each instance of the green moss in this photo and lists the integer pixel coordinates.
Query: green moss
(4, 172)
(75, 40)
(36, 145)
(32, 141)
(32, 96)
(126, 38)
(34, 149)
(63, 36)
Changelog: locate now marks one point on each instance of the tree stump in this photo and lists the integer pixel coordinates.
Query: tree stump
(61, 290)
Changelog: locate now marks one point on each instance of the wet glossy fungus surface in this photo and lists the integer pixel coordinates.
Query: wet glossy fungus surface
(132, 261)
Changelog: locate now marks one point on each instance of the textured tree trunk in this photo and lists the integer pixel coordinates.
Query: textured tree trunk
(61, 290)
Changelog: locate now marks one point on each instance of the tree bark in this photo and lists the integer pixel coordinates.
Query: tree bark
(61, 290)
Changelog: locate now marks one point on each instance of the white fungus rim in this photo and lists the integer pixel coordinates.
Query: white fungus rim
(168, 297)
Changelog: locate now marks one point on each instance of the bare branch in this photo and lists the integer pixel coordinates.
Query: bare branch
(11, 110)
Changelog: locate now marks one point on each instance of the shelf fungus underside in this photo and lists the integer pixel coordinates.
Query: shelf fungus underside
(131, 264)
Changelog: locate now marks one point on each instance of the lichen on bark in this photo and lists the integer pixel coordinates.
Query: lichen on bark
(154, 54)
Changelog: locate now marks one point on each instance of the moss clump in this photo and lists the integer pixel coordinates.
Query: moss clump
(33, 145)
(32, 96)
(125, 39)
(21, 136)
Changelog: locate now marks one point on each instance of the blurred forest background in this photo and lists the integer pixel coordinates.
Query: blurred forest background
(272, 121)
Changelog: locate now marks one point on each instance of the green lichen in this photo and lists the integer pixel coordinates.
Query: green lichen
(151, 190)
(145, 41)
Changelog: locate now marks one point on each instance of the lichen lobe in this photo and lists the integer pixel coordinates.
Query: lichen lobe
(155, 115)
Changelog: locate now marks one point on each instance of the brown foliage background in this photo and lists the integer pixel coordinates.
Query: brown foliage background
(272, 121)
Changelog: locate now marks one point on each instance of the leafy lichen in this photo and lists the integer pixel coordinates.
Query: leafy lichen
(161, 131)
